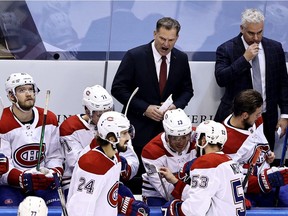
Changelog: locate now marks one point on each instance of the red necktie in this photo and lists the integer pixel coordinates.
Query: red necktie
(163, 74)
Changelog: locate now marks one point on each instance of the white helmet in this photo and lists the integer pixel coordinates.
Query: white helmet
(176, 123)
(214, 132)
(32, 205)
(114, 122)
(19, 79)
(96, 98)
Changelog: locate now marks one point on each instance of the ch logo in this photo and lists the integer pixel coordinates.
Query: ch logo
(27, 155)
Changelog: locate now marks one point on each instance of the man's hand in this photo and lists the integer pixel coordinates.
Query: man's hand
(251, 52)
(172, 107)
(154, 113)
(282, 123)
(270, 156)
(273, 177)
(168, 175)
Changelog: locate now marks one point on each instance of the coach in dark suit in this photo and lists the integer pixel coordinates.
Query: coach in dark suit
(234, 71)
(140, 67)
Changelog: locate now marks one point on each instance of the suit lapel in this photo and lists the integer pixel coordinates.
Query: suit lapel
(172, 71)
(268, 55)
(152, 74)
(238, 48)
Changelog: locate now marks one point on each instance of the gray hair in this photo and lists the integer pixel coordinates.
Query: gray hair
(252, 15)
(168, 23)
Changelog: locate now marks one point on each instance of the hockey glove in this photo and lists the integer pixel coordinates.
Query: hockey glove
(124, 191)
(32, 179)
(49, 172)
(184, 173)
(4, 164)
(172, 208)
(273, 177)
(132, 207)
(125, 170)
(248, 204)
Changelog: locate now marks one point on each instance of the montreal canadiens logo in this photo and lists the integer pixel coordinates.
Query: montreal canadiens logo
(112, 195)
(27, 155)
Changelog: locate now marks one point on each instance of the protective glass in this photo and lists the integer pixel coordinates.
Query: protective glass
(131, 131)
(180, 138)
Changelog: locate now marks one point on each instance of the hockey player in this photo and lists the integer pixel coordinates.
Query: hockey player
(245, 134)
(216, 187)
(20, 131)
(95, 180)
(32, 206)
(77, 134)
(171, 149)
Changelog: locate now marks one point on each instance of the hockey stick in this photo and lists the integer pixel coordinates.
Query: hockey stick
(128, 103)
(163, 186)
(60, 193)
(43, 129)
(282, 164)
(153, 169)
(251, 166)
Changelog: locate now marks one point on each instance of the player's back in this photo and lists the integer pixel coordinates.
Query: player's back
(215, 187)
(94, 185)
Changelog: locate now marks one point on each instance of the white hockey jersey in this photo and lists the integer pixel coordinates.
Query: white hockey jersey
(215, 188)
(75, 135)
(158, 153)
(20, 143)
(94, 185)
(241, 143)
(241, 146)
(78, 137)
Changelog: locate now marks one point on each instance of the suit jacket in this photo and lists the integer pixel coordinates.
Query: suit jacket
(232, 71)
(137, 69)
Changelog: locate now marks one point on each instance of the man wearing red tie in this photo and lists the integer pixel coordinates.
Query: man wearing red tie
(159, 70)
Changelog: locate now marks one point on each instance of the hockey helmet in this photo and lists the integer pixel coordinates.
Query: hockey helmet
(32, 205)
(114, 122)
(19, 79)
(96, 98)
(214, 132)
(176, 123)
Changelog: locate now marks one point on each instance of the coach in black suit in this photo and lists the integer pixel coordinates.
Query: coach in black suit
(140, 67)
(233, 70)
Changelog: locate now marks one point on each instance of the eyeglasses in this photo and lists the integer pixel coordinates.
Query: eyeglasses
(130, 131)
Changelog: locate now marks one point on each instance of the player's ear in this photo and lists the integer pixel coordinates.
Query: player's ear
(203, 140)
(12, 97)
(111, 137)
(245, 115)
(87, 112)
